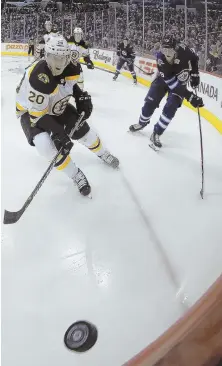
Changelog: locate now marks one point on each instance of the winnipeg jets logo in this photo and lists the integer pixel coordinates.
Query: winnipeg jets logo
(124, 53)
(176, 61)
(160, 62)
(183, 76)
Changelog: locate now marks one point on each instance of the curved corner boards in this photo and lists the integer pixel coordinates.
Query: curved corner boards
(194, 340)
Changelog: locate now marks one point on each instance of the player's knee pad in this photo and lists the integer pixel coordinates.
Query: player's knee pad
(120, 64)
(45, 145)
(131, 68)
(174, 102)
(46, 148)
(29, 131)
(149, 106)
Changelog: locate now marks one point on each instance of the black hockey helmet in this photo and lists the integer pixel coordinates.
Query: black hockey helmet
(169, 42)
(168, 48)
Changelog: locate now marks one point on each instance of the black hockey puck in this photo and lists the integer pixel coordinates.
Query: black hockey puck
(80, 336)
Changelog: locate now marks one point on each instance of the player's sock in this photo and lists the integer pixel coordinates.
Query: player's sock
(92, 142)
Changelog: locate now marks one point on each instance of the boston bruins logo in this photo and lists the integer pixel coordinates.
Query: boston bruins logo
(60, 106)
(74, 56)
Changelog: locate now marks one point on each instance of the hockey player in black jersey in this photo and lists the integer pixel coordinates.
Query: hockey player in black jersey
(176, 65)
(47, 118)
(126, 55)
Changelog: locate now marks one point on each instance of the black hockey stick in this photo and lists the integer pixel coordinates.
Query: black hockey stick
(146, 73)
(11, 217)
(201, 152)
(99, 68)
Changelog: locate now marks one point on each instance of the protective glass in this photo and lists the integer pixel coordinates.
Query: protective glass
(78, 37)
(57, 63)
(169, 53)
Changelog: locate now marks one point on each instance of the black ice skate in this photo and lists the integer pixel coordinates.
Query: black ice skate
(82, 183)
(155, 139)
(115, 77)
(135, 81)
(109, 159)
(137, 127)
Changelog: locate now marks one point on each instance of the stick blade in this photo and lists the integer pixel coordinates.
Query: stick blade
(12, 217)
(202, 194)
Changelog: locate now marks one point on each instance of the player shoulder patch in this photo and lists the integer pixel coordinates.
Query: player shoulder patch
(160, 62)
(74, 55)
(177, 61)
(44, 78)
(41, 78)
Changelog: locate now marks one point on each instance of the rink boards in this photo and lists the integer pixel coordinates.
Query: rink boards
(210, 88)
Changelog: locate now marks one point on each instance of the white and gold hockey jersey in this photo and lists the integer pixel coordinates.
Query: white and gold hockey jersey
(40, 93)
(41, 46)
(78, 50)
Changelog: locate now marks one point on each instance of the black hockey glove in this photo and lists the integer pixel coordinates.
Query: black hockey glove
(90, 65)
(194, 80)
(84, 104)
(196, 101)
(64, 142)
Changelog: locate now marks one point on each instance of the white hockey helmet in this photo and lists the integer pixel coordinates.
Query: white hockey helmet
(48, 25)
(78, 34)
(57, 54)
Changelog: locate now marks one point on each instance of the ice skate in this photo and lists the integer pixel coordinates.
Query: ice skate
(137, 127)
(135, 81)
(155, 139)
(109, 159)
(82, 183)
(115, 77)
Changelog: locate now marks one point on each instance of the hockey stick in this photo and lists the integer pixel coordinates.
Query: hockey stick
(201, 152)
(146, 73)
(98, 68)
(11, 217)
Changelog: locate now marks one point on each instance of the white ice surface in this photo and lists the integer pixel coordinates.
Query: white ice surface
(124, 260)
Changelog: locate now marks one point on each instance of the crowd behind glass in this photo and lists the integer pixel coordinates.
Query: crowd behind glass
(104, 25)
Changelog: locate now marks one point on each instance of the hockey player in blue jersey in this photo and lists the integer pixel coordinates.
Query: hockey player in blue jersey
(176, 65)
(126, 55)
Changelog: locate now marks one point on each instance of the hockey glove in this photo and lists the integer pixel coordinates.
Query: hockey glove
(90, 65)
(64, 142)
(194, 80)
(84, 104)
(196, 101)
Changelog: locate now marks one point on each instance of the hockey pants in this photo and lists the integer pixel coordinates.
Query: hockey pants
(156, 93)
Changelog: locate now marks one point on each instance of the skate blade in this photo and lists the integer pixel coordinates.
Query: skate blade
(89, 196)
(155, 148)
